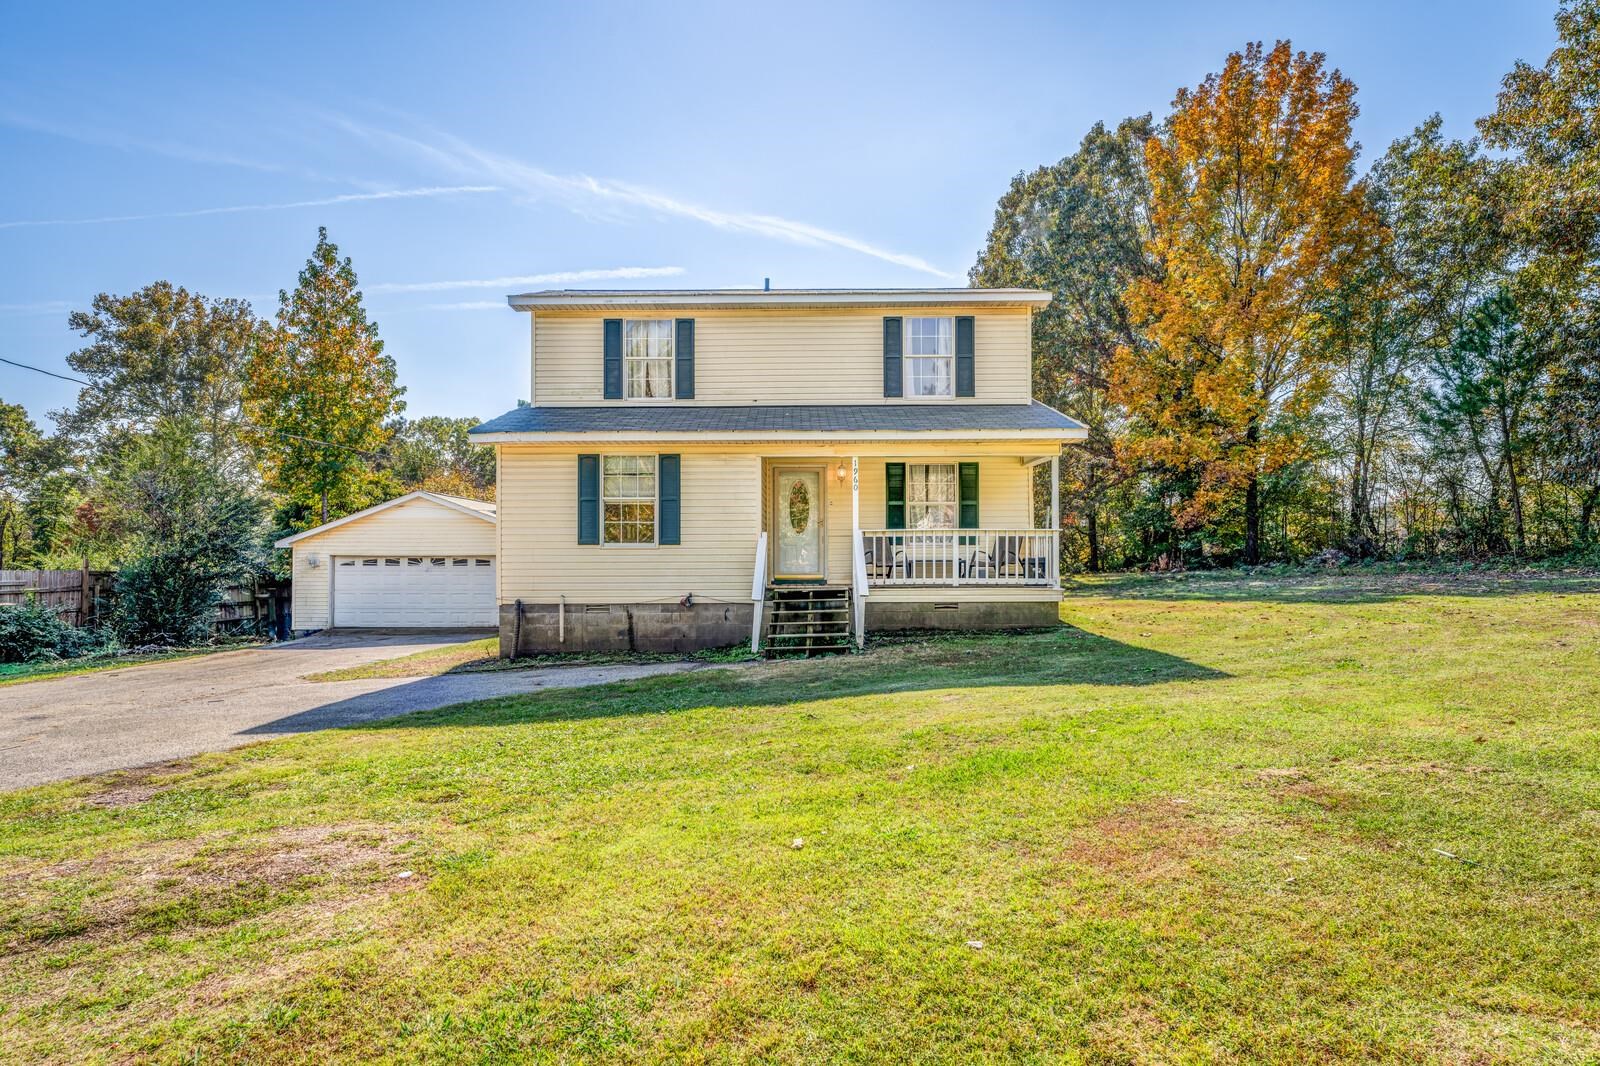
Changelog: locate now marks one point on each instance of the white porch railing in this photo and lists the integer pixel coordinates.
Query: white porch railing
(758, 592)
(960, 557)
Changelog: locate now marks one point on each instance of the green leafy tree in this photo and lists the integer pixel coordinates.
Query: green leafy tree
(191, 531)
(1079, 228)
(435, 453)
(37, 475)
(162, 353)
(1487, 384)
(1549, 119)
(321, 390)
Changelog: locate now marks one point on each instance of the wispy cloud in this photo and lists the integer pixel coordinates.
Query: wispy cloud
(326, 201)
(604, 198)
(559, 278)
(43, 307)
(119, 139)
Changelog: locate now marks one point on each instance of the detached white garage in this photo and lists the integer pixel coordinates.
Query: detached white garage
(420, 561)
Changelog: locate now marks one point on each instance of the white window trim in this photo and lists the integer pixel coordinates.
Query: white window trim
(655, 520)
(671, 361)
(906, 359)
(955, 500)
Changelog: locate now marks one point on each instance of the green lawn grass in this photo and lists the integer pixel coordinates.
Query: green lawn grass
(1237, 819)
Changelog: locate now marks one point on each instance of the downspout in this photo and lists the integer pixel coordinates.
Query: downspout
(561, 620)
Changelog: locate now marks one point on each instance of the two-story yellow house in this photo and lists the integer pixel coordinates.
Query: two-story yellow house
(791, 467)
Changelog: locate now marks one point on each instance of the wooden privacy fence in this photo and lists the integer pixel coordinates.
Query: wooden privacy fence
(82, 598)
(78, 596)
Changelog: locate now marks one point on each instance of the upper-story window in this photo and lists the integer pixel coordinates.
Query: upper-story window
(647, 353)
(930, 357)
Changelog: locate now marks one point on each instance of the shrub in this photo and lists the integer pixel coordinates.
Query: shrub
(32, 632)
(194, 530)
(159, 600)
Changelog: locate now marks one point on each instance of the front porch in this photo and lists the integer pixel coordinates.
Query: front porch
(930, 562)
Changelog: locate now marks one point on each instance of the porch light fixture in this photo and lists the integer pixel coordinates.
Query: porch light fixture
(841, 471)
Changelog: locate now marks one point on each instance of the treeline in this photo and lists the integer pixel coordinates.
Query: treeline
(203, 432)
(1277, 357)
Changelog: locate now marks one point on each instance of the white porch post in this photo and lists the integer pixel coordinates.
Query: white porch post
(1055, 519)
(858, 567)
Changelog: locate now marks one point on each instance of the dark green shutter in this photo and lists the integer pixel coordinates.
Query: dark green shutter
(967, 482)
(588, 499)
(683, 351)
(966, 375)
(893, 378)
(669, 494)
(894, 496)
(613, 370)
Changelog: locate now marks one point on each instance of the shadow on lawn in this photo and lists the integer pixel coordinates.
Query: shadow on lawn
(1332, 587)
(1063, 656)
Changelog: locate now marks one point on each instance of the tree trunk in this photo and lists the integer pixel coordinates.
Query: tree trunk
(1515, 488)
(1252, 521)
(1094, 540)
(1252, 502)
(324, 506)
(1586, 510)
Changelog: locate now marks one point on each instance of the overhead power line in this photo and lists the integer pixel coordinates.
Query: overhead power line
(240, 423)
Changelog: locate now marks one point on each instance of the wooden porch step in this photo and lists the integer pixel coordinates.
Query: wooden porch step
(807, 620)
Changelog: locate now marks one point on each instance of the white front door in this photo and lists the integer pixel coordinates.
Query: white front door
(414, 592)
(799, 521)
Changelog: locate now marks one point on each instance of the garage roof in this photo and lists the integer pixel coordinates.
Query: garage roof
(475, 508)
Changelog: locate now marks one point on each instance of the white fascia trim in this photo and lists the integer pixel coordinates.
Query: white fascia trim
(442, 501)
(783, 435)
(908, 298)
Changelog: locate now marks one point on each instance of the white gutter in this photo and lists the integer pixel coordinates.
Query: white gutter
(862, 298)
(718, 435)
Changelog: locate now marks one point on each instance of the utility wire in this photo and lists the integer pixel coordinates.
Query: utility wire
(241, 423)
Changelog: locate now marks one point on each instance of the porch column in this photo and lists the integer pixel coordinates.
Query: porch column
(858, 567)
(1055, 518)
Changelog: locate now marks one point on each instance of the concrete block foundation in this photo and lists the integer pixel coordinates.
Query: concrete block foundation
(890, 616)
(644, 627)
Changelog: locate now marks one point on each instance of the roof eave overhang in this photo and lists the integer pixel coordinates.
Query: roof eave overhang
(420, 494)
(786, 436)
(963, 298)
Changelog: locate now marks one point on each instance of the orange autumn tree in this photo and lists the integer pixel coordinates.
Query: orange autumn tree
(1256, 221)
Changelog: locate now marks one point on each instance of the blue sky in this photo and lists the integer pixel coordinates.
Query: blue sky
(449, 148)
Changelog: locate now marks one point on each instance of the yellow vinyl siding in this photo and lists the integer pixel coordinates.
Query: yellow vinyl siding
(781, 357)
(541, 558)
(726, 503)
(419, 527)
(1004, 490)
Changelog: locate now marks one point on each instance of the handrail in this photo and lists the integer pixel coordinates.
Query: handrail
(758, 592)
(950, 557)
(860, 588)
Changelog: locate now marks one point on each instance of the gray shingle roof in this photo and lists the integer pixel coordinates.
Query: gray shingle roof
(799, 418)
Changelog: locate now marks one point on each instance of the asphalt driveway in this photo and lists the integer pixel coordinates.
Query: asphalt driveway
(116, 719)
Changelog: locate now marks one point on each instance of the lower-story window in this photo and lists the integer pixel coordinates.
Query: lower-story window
(628, 498)
(931, 496)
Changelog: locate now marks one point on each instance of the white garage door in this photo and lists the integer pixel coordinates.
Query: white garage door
(414, 592)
